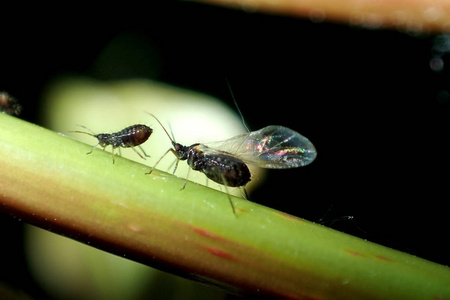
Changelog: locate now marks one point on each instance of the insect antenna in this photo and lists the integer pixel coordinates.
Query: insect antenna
(170, 150)
(171, 133)
(237, 106)
(171, 139)
(91, 132)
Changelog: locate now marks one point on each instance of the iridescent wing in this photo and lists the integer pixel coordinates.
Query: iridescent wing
(273, 147)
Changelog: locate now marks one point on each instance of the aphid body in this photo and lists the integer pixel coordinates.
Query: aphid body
(129, 137)
(219, 166)
(9, 105)
(225, 162)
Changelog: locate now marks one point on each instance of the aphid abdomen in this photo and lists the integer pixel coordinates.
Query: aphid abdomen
(132, 136)
(219, 167)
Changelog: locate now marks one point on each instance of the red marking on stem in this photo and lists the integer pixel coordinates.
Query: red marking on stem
(209, 234)
(206, 233)
(354, 253)
(241, 210)
(291, 217)
(220, 253)
(382, 257)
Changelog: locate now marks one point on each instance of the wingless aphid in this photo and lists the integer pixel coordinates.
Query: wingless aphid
(225, 162)
(130, 137)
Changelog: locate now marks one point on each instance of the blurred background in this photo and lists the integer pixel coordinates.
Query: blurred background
(374, 102)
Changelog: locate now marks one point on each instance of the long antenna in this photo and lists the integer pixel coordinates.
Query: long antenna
(235, 103)
(91, 134)
(161, 126)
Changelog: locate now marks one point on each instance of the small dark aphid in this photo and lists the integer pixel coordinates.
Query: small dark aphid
(9, 105)
(129, 137)
(274, 147)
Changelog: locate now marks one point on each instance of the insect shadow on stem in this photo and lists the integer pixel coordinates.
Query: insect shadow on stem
(130, 137)
(225, 162)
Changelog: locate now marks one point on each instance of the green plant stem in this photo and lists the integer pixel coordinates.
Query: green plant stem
(48, 180)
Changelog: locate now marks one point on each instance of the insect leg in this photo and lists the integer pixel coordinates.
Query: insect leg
(176, 166)
(112, 153)
(93, 148)
(228, 194)
(243, 192)
(145, 154)
(170, 150)
(138, 153)
(229, 199)
(185, 181)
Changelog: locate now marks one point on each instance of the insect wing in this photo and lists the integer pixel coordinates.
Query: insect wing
(273, 147)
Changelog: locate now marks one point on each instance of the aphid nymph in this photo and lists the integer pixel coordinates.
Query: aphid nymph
(130, 137)
(225, 162)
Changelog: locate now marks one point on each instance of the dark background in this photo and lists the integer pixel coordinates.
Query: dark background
(367, 98)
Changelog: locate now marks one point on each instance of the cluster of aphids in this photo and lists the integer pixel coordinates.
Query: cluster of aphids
(225, 162)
